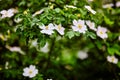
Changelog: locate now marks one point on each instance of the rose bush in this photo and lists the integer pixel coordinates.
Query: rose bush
(59, 39)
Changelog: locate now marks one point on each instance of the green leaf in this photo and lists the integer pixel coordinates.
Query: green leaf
(111, 51)
(42, 43)
(108, 21)
(118, 64)
(91, 35)
(70, 34)
(57, 10)
(77, 33)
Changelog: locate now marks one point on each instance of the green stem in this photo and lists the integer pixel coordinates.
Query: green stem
(50, 52)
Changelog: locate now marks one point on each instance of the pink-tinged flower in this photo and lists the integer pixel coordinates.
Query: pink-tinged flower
(79, 26)
(47, 29)
(102, 32)
(91, 25)
(30, 71)
(90, 0)
(90, 9)
(112, 59)
(8, 13)
(60, 29)
(118, 4)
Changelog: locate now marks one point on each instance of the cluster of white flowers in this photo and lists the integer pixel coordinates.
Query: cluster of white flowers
(112, 59)
(8, 13)
(30, 71)
(80, 26)
(49, 29)
(110, 5)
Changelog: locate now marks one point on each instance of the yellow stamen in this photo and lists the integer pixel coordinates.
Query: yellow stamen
(101, 32)
(113, 59)
(79, 26)
(30, 72)
(59, 27)
(46, 28)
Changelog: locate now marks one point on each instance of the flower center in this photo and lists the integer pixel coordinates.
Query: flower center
(91, 24)
(59, 27)
(6, 13)
(79, 26)
(46, 28)
(112, 59)
(101, 32)
(30, 72)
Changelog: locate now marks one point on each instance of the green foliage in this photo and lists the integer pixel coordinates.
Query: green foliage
(72, 50)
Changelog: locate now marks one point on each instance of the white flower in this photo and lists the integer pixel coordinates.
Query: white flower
(91, 25)
(47, 29)
(38, 12)
(90, 0)
(45, 49)
(15, 49)
(49, 79)
(112, 59)
(118, 4)
(90, 9)
(8, 13)
(70, 6)
(60, 29)
(101, 32)
(79, 26)
(4, 13)
(119, 38)
(108, 5)
(82, 55)
(30, 71)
